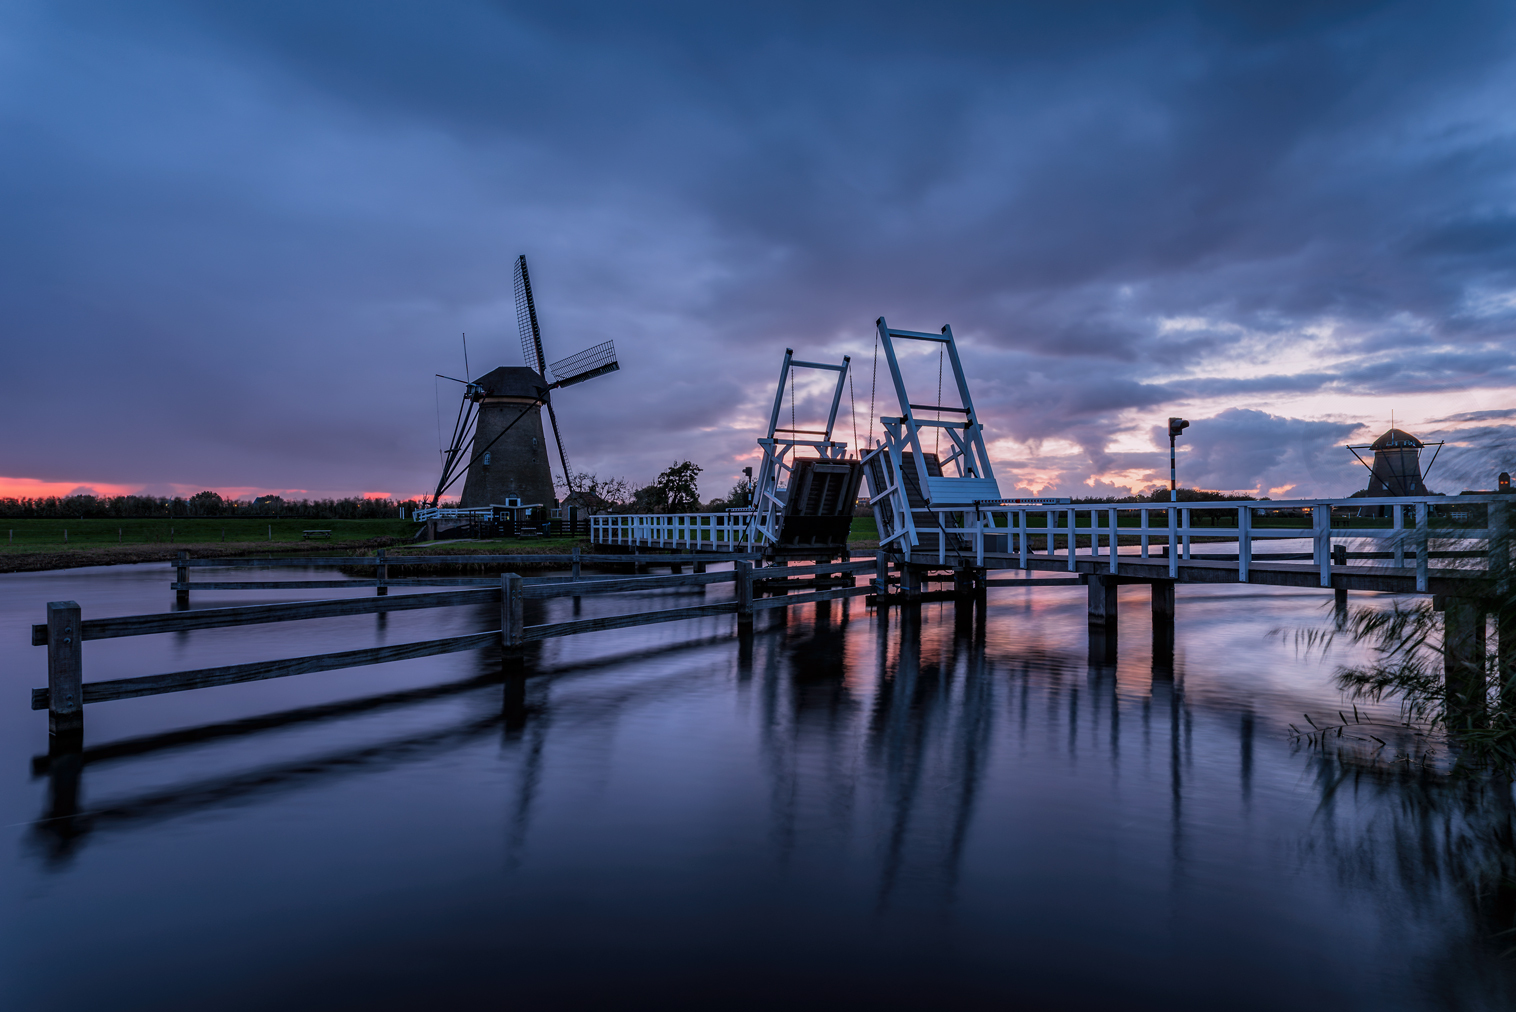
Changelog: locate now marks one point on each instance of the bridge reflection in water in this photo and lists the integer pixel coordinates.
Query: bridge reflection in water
(980, 793)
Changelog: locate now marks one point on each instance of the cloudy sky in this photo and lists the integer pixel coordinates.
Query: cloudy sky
(238, 239)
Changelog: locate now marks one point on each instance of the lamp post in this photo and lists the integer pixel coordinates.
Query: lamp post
(1176, 429)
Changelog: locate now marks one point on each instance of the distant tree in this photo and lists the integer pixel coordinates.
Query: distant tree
(737, 498)
(206, 504)
(595, 494)
(679, 487)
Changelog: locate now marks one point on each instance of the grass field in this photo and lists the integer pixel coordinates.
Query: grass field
(60, 535)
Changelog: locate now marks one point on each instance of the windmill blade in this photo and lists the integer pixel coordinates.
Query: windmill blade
(587, 364)
(526, 320)
(568, 476)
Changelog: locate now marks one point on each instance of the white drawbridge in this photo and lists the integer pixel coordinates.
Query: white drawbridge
(803, 504)
(921, 499)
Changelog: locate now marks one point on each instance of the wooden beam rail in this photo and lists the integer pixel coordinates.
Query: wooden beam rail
(257, 614)
(584, 625)
(820, 595)
(365, 561)
(231, 674)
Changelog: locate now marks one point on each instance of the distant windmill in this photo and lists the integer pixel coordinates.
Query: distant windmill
(498, 433)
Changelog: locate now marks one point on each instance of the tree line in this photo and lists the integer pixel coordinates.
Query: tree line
(201, 504)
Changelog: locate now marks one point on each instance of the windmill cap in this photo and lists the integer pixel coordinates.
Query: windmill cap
(513, 381)
(1397, 439)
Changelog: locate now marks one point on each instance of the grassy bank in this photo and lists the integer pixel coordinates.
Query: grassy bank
(27, 536)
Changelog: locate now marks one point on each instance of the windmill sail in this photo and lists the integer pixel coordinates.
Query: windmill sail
(587, 364)
(526, 320)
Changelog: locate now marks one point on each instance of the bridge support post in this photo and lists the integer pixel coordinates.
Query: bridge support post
(1163, 603)
(431, 530)
(963, 583)
(1463, 646)
(65, 671)
(382, 574)
(1102, 595)
(910, 582)
(574, 572)
(1340, 558)
(512, 621)
(181, 594)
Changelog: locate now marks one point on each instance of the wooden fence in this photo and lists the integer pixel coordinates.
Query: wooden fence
(65, 629)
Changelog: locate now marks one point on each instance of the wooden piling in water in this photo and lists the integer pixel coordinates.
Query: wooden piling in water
(512, 620)
(1102, 601)
(744, 590)
(181, 596)
(65, 670)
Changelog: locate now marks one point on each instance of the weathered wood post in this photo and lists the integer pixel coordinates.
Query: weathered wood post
(1463, 662)
(963, 583)
(1102, 600)
(575, 570)
(881, 578)
(382, 574)
(744, 588)
(181, 593)
(65, 670)
(512, 620)
(1163, 603)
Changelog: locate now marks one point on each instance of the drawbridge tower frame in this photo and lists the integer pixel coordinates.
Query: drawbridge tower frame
(973, 484)
(772, 483)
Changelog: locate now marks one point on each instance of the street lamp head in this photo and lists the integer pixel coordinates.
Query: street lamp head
(1177, 427)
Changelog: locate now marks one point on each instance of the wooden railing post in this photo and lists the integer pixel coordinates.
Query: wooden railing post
(1397, 514)
(1423, 543)
(512, 618)
(65, 670)
(575, 570)
(181, 593)
(1244, 542)
(744, 594)
(382, 574)
(1172, 548)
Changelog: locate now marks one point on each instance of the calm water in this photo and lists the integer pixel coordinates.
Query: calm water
(846, 811)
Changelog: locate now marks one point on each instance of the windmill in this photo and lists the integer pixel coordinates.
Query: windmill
(498, 439)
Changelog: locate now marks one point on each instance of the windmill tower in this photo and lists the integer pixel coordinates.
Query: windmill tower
(1396, 470)
(499, 441)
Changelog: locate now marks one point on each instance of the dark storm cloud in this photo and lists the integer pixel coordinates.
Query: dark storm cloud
(241, 237)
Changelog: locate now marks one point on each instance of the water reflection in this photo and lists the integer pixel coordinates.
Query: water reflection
(1002, 778)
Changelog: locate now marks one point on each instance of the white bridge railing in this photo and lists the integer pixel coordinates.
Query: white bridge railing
(1413, 526)
(726, 532)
